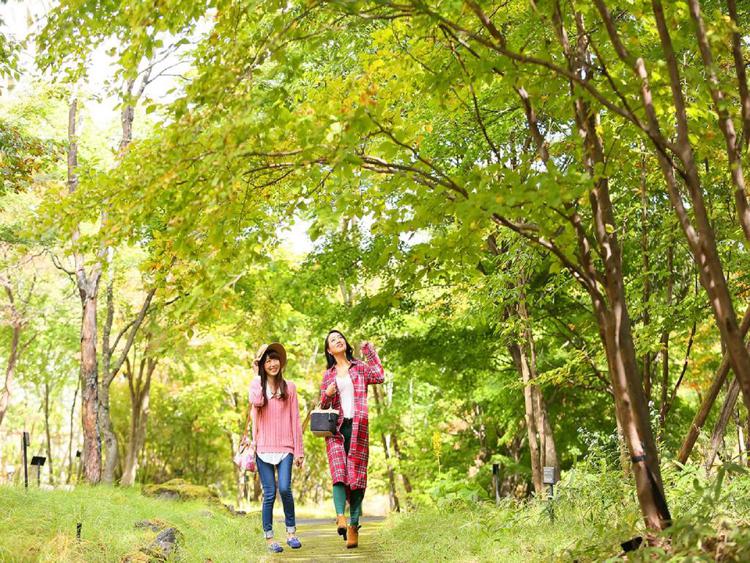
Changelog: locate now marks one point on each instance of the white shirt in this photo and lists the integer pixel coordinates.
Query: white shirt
(272, 458)
(346, 394)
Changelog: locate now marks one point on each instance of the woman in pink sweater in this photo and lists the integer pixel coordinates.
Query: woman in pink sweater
(277, 438)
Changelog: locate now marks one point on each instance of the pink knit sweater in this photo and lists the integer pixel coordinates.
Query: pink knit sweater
(276, 426)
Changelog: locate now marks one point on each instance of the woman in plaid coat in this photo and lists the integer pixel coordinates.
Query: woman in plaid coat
(344, 387)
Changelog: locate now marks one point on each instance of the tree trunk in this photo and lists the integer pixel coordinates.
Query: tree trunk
(140, 395)
(392, 494)
(622, 449)
(710, 398)
(721, 425)
(109, 438)
(612, 309)
(88, 288)
(547, 448)
(70, 441)
(48, 436)
(701, 237)
(664, 395)
(542, 448)
(646, 275)
(404, 478)
(698, 231)
(10, 369)
(92, 445)
(520, 360)
(740, 437)
(111, 448)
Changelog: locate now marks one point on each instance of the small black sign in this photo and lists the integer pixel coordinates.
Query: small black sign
(38, 460)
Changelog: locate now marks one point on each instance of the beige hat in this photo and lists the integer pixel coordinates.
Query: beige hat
(276, 347)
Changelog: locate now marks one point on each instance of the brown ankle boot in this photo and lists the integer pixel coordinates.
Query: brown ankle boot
(352, 537)
(341, 525)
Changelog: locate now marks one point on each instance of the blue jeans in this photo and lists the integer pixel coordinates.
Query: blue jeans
(267, 475)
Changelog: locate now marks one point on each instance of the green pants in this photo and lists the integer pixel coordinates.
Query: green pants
(339, 489)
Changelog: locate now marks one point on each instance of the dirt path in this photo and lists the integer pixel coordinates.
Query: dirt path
(320, 542)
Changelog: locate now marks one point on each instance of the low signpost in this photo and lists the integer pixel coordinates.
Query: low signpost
(550, 478)
(496, 482)
(38, 461)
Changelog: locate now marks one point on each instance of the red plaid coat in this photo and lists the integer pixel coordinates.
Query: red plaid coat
(352, 469)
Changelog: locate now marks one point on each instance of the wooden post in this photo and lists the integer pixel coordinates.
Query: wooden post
(25, 444)
(550, 478)
(496, 482)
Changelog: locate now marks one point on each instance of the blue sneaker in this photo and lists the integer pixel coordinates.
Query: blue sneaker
(294, 542)
(275, 547)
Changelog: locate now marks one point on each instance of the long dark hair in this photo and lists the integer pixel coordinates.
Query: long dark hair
(330, 360)
(264, 376)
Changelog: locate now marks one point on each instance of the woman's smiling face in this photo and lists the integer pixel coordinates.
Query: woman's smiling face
(336, 343)
(272, 366)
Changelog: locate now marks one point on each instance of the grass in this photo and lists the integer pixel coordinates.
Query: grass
(594, 511)
(38, 525)
(480, 534)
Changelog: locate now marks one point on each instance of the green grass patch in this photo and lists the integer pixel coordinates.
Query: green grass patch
(483, 533)
(591, 514)
(37, 525)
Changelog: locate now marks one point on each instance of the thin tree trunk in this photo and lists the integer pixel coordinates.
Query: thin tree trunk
(140, 393)
(702, 240)
(547, 448)
(393, 495)
(92, 445)
(646, 275)
(50, 465)
(404, 478)
(664, 395)
(88, 287)
(610, 308)
(612, 315)
(709, 399)
(538, 428)
(698, 232)
(109, 438)
(622, 449)
(721, 425)
(740, 436)
(70, 441)
(522, 365)
(111, 448)
(10, 369)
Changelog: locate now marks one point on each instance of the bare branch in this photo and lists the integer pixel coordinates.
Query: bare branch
(131, 336)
